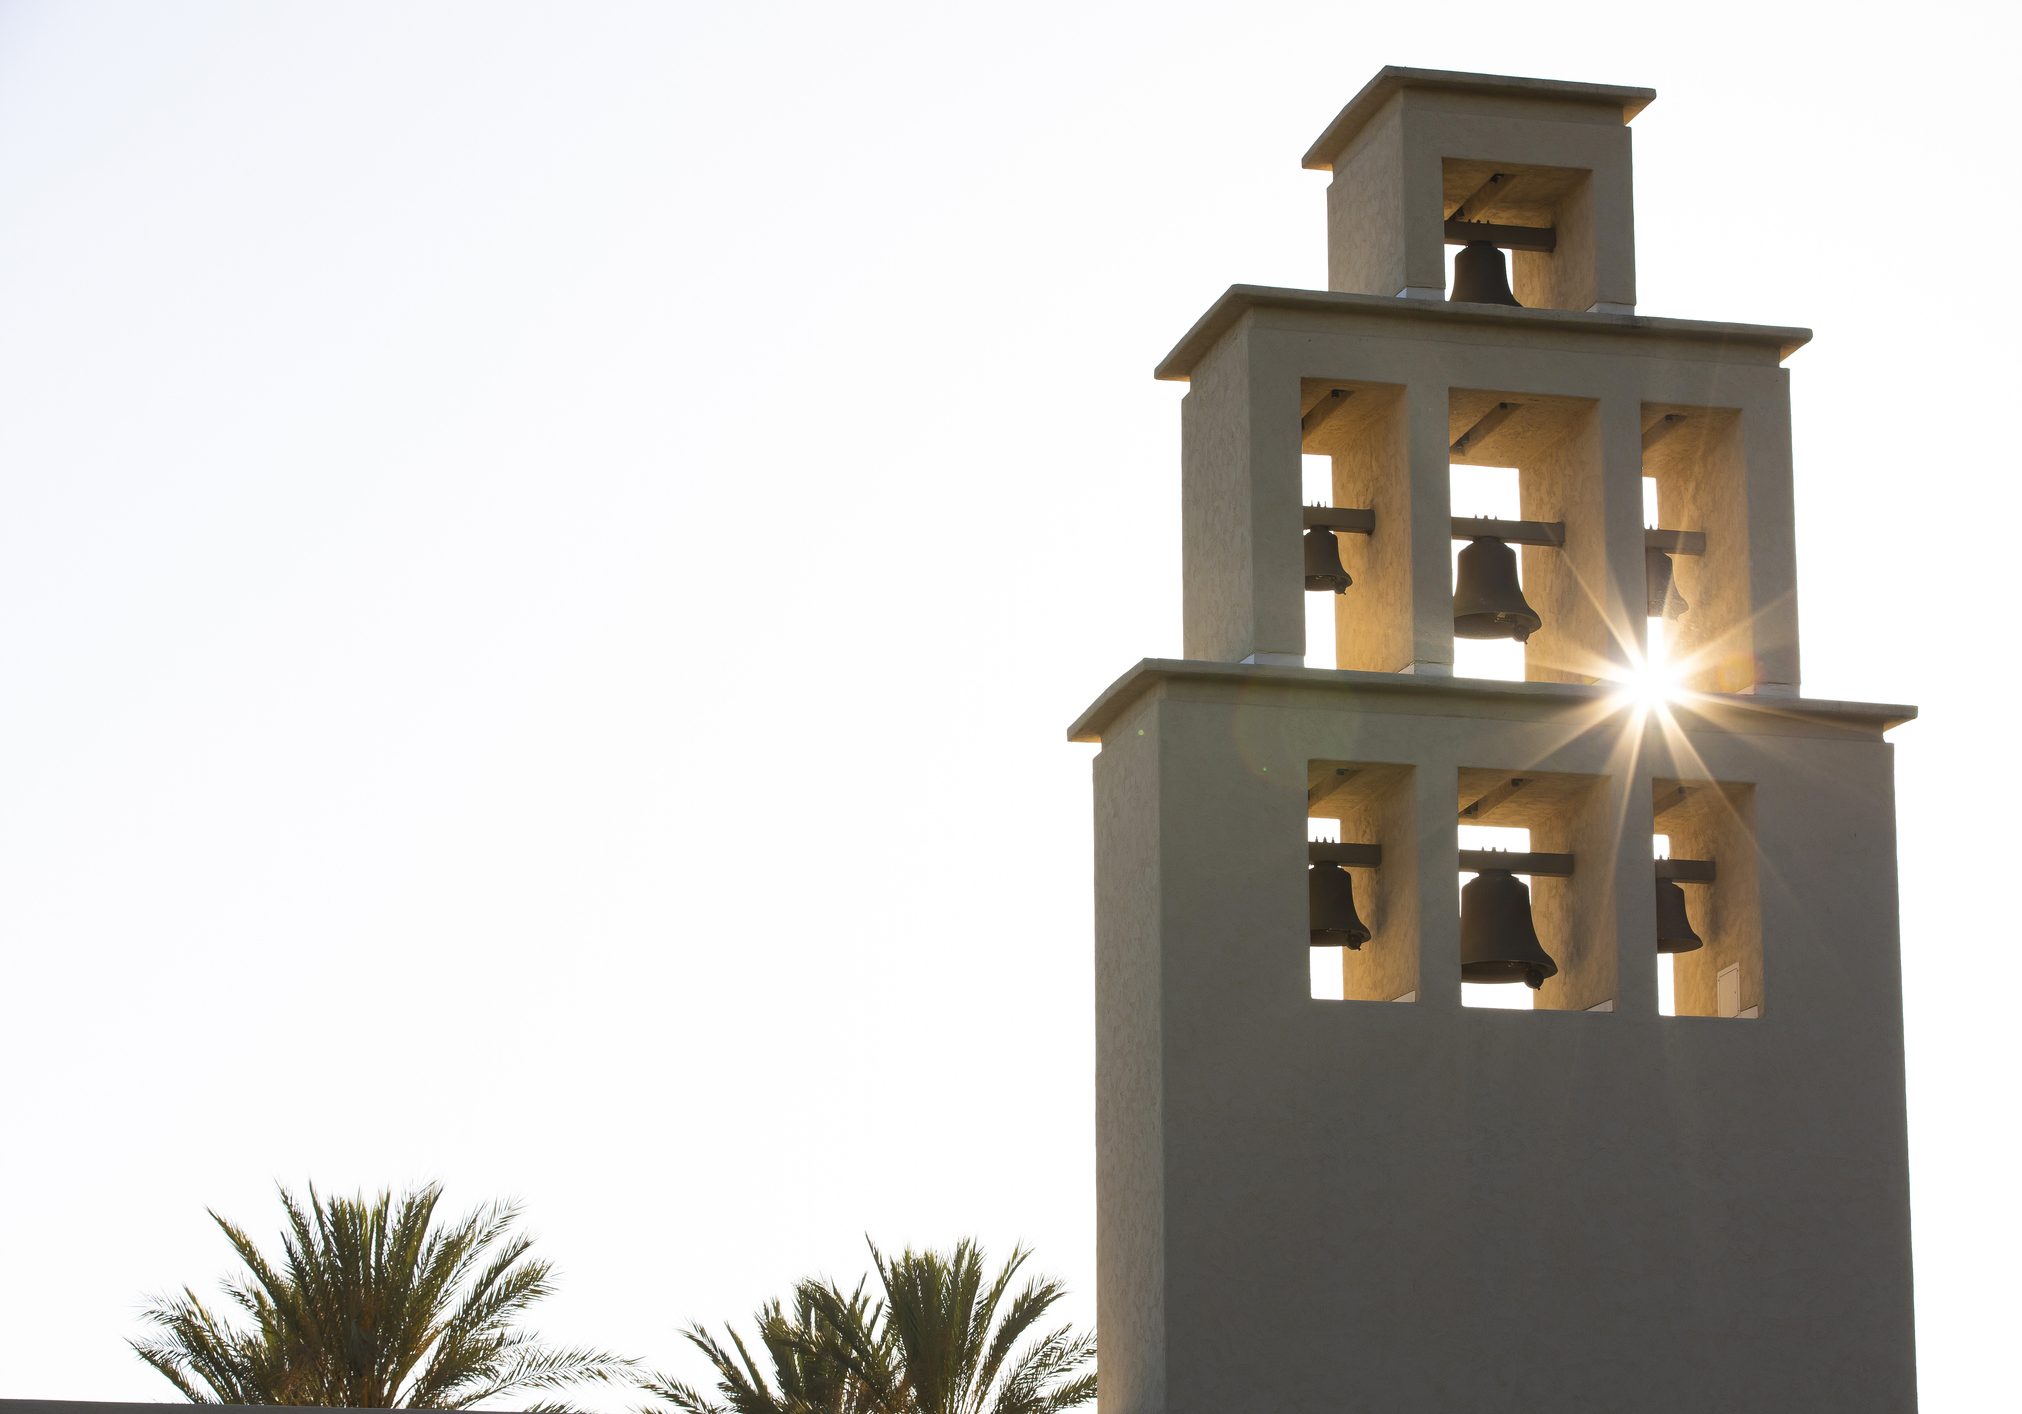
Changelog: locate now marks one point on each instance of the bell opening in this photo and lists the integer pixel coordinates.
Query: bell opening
(1362, 933)
(1502, 962)
(1495, 491)
(1705, 921)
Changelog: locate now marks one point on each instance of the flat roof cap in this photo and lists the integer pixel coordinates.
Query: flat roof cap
(1391, 79)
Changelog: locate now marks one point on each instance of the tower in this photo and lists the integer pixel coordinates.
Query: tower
(1392, 1201)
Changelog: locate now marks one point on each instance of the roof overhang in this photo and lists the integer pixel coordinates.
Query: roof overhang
(1238, 300)
(1627, 102)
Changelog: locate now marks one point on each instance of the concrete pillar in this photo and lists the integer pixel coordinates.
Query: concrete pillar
(1240, 522)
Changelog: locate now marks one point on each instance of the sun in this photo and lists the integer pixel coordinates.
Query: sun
(1650, 680)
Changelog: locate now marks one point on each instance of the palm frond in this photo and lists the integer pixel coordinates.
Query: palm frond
(363, 1294)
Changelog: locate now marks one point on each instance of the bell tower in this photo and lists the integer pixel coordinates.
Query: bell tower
(1675, 1178)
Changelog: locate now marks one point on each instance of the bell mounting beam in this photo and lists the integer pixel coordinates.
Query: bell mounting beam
(1675, 542)
(1671, 799)
(1660, 429)
(1345, 519)
(1483, 199)
(1686, 871)
(1331, 785)
(1550, 866)
(1511, 532)
(1485, 424)
(1331, 402)
(1543, 238)
(1354, 856)
(1493, 798)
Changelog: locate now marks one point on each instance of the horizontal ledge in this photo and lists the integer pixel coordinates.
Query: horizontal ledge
(1675, 542)
(1686, 871)
(1720, 342)
(1578, 705)
(1345, 519)
(1359, 856)
(1555, 866)
(1513, 532)
(1542, 238)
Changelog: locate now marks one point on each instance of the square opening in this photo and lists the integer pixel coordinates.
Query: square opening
(1698, 824)
(1495, 996)
(1485, 491)
(1356, 432)
(1534, 460)
(1693, 457)
(1667, 983)
(1534, 200)
(1573, 914)
(1367, 804)
(1316, 486)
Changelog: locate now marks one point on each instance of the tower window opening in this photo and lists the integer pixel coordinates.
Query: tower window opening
(1362, 907)
(1516, 840)
(1708, 930)
(1316, 488)
(1667, 972)
(1486, 491)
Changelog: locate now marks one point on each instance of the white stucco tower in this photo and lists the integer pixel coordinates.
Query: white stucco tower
(1394, 1202)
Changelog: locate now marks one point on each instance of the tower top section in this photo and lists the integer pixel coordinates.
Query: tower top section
(1426, 158)
(1573, 102)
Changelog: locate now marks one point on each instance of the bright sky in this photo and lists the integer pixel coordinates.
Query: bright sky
(547, 552)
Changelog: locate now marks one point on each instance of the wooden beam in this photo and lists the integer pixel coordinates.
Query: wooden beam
(1484, 198)
(1331, 402)
(1686, 871)
(1329, 786)
(1551, 866)
(1660, 429)
(1355, 856)
(1487, 423)
(1510, 532)
(1541, 238)
(1671, 800)
(1493, 798)
(1675, 542)
(1346, 519)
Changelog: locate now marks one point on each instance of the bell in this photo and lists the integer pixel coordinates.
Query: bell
(1480, 276)
(1330, 908)
(1324, 572)
(1674, 925)
(1487, 600)
(1661, 588)
(1497, 941)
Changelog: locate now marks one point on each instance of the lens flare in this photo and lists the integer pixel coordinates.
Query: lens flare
(1651, 680)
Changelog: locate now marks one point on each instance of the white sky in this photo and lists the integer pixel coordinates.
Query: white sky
(547, 551)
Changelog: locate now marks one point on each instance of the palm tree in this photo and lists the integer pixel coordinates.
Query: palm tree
(373, 1306)
(943, 1341)
(810, 1356)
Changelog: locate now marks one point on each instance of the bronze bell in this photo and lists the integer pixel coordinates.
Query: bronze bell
(1324, 571)
(1497, 940)
(1480, 276)
(1660, 587)
(1487, 600)
(1330, 908)
(1674, 924)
